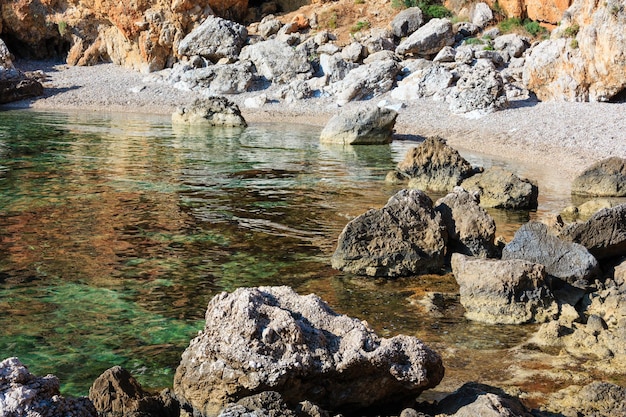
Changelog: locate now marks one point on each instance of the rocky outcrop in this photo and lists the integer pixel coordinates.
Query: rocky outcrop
(369, 125)
(569, 262)
(506, 292)
(214, 39)
(235, 78)
(474, 399)
(407, 21)
(24, 394)
(366, 81)
(479, 91)
(405, 237)
(499, 188)
(433, 80)
(548, 12)
(272, 339)
(15, 85)
(277, 61)
(471, 230)
(585, 58)
(433, 165)
(598, 399)
(606, 178)
(214, 111)
(428, 39)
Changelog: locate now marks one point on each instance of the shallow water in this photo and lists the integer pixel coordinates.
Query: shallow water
(117, 229)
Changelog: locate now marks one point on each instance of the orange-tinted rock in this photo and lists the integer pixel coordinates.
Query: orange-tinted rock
(549, 12)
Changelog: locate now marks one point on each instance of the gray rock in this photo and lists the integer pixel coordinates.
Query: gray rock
(474, 399)
(447, 54)
(218, 79)
(598, 399)
(269, 26)
(405, 237)
(277, 61)
(606, 178)
(353, 52)
(499, 188)
(376, 40)
(464, 54)
(270, 338)
(435, 166)
(478, 92)
(569, 262)
(6, 58)
(466, 29)
(116, 393)
(407, 21)
(514, 44)
(471, 230)
(23, 394)
(429, 39)
(481, 14)
(428, 82)
(214, 39)
(503, 291)
(213, 111)
(368, 125)
(604, 234)
(334, 67)
(366, 81)
(381, 56)
(264, 404)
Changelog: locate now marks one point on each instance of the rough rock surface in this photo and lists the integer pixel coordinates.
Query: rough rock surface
(434, 165)
(116, 393)
(598, 399)
(24, 394)
(14, 85)
(548, 12)
(606, 178)
(481, 14)
(506, 292)
(479, 91)
(499, 188)
(267, 403)
(277, 61)
(214, 111)
(474, 399)
(369, 125)
(604, 234)
(569, 262)
(366, 81)
(471, 230)
(585, 58)
(270, 338)
(405, 237)
(235, 78)
(407, 21)
(428, 39)
(433, 80)
(214, 39)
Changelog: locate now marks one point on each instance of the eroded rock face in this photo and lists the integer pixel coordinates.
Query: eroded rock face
(428, 39)
(277, 61)
(405, 237)
(370, 125)
(407, 21)
(586, 56)
(606, 178)
(503, 291)
(366, 81)
(24, 394)
(270, 338)
(213, 111)
(479, 91)
(499, 188)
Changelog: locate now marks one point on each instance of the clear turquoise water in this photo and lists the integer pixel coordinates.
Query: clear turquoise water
(117, 229)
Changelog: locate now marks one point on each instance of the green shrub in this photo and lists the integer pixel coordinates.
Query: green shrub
(533, 28)
(574, 44)
(332, 21)
(359, 1)
(488, 47)
(508, 25)
(360, 25)
(473, 41)
(435, 11)
(62, 26)
(571, 31)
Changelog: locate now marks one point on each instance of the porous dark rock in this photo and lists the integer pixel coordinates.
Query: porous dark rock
(272, 339)
(405, 237)
(471, 230)
(567, 261)
(368, 125)
(474, 399)
(505, 292)
(213, 111)
(499, 188)
(606, 178)
(597, 399)
(433, 165)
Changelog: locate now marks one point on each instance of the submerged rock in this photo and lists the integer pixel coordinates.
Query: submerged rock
(270, 338)
(370, 125)
(606, 178)
(405, 237)
(499, 188)
(214, 111)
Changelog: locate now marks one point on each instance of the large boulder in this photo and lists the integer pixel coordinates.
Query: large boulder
(277, 61)
(429, 39)
(214, 39)
(569, 262)
(598, 399)
(474, 399)
(117, 393)
(424, 82)
(585, 58)
(405, 237)
(503, 291)
(234, 78)
(481, 14)
(369, 125)
(606, 178)
(479, 91)
(435, 166)
(471, 230)
(213, 111)
(407, 21)
(499, 188)
(14, 85)
(272, 339)
(366, 81)
(334, 67)
(24, 394)
(604, 234)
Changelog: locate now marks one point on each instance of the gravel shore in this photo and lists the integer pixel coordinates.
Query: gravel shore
(554, 140)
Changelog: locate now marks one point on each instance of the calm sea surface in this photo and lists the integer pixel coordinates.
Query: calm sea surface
(117, 229)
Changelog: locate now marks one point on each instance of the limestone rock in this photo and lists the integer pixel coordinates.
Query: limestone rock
(368, 125)
(586, 56)
(269, 26)
(353, 52)
(481, 14)
(277, 61)
(471, 230)
(214, 111)
(514, 44)
(479, 91)
(427, 82)
(604, 234)
(235, 78)
(266, 403)
(407, 21)
(503, 291)
(405, 237)
(434, 165)
(606, 178)
(214, 39)
(499, 188)
(366, 81)
(270, 338)
(24, 394)
(428, 39)
(569, 262)
(334, 67)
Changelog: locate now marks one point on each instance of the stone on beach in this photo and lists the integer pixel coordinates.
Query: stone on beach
(214, 111)
(367, 125)
(272, 339)
(499, 188)
(214, 39)
(428, 39)
(605, 178)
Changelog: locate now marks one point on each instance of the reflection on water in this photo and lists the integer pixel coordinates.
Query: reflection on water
(116, 230)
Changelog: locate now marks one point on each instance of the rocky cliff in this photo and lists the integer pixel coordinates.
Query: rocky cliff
(547, 12)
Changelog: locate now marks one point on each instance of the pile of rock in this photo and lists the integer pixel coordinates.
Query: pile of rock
(15, 85)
